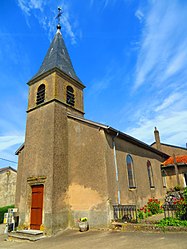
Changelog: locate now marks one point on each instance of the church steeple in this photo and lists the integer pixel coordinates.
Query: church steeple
(56, 80)
(57, 57)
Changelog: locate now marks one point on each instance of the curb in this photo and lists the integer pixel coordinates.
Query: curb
(127, 227)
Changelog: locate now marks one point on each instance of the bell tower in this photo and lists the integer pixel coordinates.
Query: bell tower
(59, 80)
(54, 91)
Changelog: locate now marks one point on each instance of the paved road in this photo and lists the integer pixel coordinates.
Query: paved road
(103, 240)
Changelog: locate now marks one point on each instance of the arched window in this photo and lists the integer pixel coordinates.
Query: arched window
(164, 175)
(40, 94)
(70, 98)
(130, 172)
(150, 174)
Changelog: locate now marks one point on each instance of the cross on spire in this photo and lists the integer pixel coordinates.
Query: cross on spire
(58, 17)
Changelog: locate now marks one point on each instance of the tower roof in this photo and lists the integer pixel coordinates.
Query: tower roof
(57, 57)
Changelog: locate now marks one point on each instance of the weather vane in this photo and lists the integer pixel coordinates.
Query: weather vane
(58, 17)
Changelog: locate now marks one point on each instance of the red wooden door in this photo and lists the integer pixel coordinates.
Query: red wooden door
(36, 207)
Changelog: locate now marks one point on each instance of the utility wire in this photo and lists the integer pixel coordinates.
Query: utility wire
(7, 160)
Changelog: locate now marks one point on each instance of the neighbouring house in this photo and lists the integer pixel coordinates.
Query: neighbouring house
(8, 177)
(167, 148)
(70, 167)
(174, 169)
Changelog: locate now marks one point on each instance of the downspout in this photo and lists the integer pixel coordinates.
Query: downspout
(116, 167)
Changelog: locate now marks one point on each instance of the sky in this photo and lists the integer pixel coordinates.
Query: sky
(130, 54)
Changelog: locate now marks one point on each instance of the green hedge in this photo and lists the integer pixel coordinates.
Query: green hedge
(4, 210)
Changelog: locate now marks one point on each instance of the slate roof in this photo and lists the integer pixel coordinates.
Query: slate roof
(57, 57)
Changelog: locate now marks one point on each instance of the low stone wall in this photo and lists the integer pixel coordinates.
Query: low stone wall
(127, 227)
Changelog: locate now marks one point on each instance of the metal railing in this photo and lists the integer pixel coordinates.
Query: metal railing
(169, 210)
(125, 213)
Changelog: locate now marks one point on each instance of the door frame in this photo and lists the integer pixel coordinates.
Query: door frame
(41, 191)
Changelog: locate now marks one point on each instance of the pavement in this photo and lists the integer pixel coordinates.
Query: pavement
(154, 218)
(73, 239)
(2, 229)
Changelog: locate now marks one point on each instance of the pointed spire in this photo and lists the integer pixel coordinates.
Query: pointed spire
(57, 56)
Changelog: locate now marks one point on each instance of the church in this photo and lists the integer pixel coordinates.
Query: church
(70, 167)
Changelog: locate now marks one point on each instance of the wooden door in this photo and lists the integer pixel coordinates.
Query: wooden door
(36, 207)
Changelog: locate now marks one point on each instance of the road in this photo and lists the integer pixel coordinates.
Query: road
(103, 240)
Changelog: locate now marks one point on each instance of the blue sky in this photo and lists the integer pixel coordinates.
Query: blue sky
(131, 55)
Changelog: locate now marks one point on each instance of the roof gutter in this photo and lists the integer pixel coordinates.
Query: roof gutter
(136, 142)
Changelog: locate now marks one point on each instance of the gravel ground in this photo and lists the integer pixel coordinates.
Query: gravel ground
(72, 239)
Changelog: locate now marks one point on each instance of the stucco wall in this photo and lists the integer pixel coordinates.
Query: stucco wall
(171, 177)
(142, 192)
(45, 162)
(170, 150)
(55, 88)
(87, 193)
(7, 187)
(92, 173)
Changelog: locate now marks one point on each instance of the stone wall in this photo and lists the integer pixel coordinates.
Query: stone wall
(7, 187)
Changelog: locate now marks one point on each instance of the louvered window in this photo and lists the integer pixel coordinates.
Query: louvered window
(40, 94)
(70, 97)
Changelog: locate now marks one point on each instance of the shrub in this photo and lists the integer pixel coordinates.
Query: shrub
(4, 210)
(144, 212)
(177, 188)
(154, 206)
(178, 200)
(181, 209)
(172, 222)
(185, 194)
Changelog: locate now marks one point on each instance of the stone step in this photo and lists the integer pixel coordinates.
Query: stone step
(31, 235)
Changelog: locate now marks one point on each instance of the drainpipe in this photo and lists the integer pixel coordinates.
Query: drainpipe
(116, 167)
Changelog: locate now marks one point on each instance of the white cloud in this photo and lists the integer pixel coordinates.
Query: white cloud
(23, 5)
(68, 27)
(139, 14)
(168, 124)
(37, 4)
(46, 14)
(168, 101)
(9, 141)
(27, 6)
(177, 63)
(162, 44)
(160, 75)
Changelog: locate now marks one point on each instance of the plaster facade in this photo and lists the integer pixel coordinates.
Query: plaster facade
(81, 164)
(174, 174)
(8, 178)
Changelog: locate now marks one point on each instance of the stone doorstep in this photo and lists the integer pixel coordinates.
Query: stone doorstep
(30, 232)
(31, 235)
